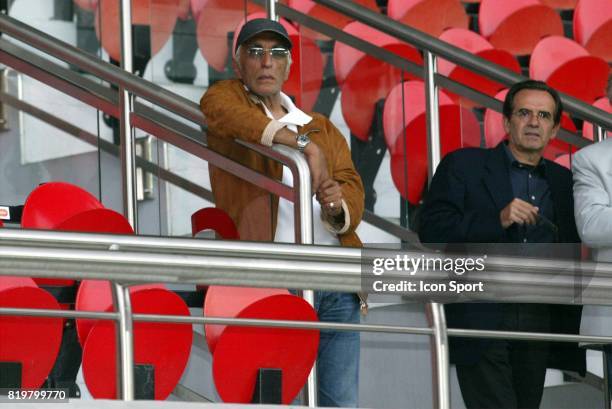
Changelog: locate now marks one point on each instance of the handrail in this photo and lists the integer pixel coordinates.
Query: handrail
(140, 259)
(454, 54)
(180, 106)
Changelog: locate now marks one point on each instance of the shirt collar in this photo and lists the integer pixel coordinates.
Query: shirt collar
(294, 115)
(540, 167)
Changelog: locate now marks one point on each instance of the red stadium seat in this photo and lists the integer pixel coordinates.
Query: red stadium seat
(212, 218)
(516, 26)
(215, 19)
(560, 4)
(244, 350)
(369, 81)
(566, 66)
(90, 5)
(345, 57)
(326, 15)
(31, 341)
(429, 16)
(165, 346)
(227, 302)
(604, 105)
(593, 27)
(564, 160)
(477, 45)
(495, 133)
(159, 15)
(50, 205)
(306, 75)
(458, 128)
(183, 9)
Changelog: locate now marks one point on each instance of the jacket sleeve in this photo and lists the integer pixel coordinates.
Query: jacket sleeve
(592, 208)
(343, 171)
(445, 218)
(230, 114)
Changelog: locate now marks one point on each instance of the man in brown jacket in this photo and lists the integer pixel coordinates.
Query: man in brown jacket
(253, 108)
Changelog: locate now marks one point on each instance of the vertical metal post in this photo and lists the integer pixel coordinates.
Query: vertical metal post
(303, 210)
(435, 311)
(599, 133)
(433, 115)
(125, 342)
(3, 88)
(126, 102)
(605, 353)
(271, 10)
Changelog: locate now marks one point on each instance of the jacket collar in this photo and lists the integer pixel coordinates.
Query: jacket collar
(294, 116)
(497, 180)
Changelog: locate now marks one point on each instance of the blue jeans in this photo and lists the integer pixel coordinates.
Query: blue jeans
(338, 357)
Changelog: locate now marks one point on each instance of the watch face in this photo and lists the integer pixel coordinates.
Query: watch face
(302, 142)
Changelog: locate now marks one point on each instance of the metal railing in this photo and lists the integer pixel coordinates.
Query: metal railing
(185, 108)
(129, 259)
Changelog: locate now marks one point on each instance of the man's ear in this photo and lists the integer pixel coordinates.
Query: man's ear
(506, 125)
(555, 130)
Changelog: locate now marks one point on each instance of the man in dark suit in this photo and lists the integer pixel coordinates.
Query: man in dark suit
(507, 194)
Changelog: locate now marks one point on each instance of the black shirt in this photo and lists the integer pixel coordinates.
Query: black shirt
(529, 184)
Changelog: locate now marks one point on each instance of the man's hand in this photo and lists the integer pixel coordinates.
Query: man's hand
(317, 164)
(329, 196)
(518, 211)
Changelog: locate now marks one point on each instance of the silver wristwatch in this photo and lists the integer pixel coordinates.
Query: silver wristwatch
(303, 140)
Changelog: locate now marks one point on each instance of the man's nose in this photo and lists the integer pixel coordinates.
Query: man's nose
(266, 59)
(533, 120)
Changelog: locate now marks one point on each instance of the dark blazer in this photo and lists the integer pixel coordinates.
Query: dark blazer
(468, 191)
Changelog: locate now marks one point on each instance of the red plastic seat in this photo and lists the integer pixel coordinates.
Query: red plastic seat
(90, 5)
(165, 346)
(31, 341)
(306, 75)
(495, 133)
(369, 81)
(241, 351)
(215, 19)
(566, 66)
(429, 16)
(159, 15)
(458, 128)
(212, 218)
(345, 56)
(516, 26)
(603, 104)
(326, 15)
(560, 4)
(564, 160)
(477, 45)
(593, 27)
(50, 205)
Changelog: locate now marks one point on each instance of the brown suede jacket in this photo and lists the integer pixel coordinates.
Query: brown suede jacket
(232, 113)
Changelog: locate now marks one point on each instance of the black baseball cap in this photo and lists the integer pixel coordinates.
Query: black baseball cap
(262, 25)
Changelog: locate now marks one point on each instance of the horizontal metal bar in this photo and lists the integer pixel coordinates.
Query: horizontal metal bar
(198, 149)
(55, 77)
(453, 54)
(106, 146)
(108, 72)
(177, 245)
(529, 336)
(391, 228)
(318, 325)
(39, 312)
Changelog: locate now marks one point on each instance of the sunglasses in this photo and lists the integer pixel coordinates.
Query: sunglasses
(278, 53)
